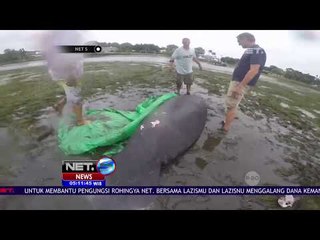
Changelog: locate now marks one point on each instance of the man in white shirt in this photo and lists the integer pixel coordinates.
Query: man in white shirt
(183, 58)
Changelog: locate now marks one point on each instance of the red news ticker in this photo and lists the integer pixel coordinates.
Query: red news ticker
(83, 176)
(6, 190)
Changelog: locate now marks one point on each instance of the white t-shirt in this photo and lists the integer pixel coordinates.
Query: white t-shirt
(183, 59)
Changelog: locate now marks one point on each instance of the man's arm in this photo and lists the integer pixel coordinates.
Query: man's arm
(198, 62)
(171, 61)
(253, 71)
(171, 65)
(256, 60)
(173, 57)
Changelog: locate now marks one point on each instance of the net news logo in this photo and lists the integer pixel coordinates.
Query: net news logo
(87, 172)
(79, 49)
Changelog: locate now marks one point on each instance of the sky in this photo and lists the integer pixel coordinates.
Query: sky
(299, 50)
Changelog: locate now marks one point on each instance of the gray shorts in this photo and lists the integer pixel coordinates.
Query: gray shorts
(73, 94)
(186, 78)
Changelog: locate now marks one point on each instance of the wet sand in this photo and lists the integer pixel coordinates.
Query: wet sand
(251, 145)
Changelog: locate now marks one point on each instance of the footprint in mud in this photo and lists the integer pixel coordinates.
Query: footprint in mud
(201, 163)
(213, 140)
(232, 140)
(44, 127)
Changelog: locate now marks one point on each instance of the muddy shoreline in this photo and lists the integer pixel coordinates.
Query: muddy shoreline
(261, 139)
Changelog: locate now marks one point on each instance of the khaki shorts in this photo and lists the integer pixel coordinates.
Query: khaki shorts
(232, 102)
(186, 78)
(73, 94)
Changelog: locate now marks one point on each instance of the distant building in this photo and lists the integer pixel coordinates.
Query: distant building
(109, 49)
(92, 43)
(33, 53)
(105, 48)
(211, 58)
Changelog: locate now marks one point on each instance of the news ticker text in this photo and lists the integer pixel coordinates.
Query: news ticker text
(163, 190)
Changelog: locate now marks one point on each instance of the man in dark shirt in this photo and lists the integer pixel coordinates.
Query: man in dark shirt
(245, 75)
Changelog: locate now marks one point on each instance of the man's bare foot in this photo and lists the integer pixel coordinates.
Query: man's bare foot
(223, 123)
(83, 122)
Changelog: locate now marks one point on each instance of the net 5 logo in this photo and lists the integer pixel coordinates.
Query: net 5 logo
(87, 169)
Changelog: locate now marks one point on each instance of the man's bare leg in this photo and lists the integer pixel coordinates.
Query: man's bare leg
(77, 109)
(179, 85)
(60, 105)
(231, 113)
(188, 88)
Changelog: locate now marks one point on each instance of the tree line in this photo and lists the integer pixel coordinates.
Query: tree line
(288, 73)
(144, 48)
(292, 74)
(11, 55)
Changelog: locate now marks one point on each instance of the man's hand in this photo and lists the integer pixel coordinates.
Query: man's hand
(171, 66)
(237, 91)
(197, 61)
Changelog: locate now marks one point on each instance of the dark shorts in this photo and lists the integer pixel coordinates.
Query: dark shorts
(186, 78)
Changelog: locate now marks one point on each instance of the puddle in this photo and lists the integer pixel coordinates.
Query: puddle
(316, 111)
(284, 105)
(308, 114)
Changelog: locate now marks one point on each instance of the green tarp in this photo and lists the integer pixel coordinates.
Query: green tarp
(109, 129)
